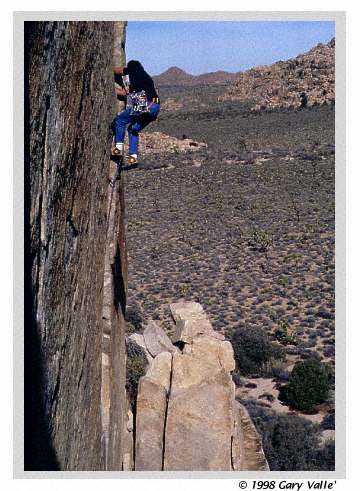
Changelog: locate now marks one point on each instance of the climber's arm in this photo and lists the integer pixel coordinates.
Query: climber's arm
(121, 91)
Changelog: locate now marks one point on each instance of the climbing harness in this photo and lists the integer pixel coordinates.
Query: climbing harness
(138, 103)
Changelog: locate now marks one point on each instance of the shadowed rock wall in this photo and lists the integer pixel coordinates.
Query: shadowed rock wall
(113, 395)
(69, 105)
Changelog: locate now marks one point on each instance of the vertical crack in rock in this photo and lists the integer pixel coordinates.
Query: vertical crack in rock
(166, 414)
(42, 210)
(232, 453)
(113, 395)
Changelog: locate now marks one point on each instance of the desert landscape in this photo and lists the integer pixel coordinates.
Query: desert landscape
(180, 313)
(233, 206)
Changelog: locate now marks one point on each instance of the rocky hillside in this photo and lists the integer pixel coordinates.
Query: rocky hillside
(174, 76)
(307, 80)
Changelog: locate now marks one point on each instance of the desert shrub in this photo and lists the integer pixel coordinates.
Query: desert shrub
(133, 318)
(330, 370)
(269, 397)
(251, 385)
(136, 364)
(290, 442)
(284, 334)
(260, 240)
(328, 423)
(236, 378)
(292, 350)
(308, 385)
(278, 371)
(325, 457)
(254, 350)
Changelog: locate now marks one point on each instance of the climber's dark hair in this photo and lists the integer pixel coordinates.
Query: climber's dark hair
(134, 67)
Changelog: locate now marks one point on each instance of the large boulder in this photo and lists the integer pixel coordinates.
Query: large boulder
(187, 417)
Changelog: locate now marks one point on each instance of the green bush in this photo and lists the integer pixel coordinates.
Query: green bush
(291, 443)
(136, 364)
(308, 385)
(260, 240)
(285, 335)
(133, 318)
(254, 351)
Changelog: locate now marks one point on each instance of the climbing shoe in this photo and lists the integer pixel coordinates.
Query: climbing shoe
(132, 160)
(116, 152)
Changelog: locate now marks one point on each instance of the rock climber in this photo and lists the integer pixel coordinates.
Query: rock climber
(143, 107)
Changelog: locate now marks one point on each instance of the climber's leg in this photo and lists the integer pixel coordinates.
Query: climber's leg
(138, 124)
(122, 119)
(133, 132)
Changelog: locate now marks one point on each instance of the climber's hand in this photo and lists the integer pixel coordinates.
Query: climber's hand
(121, 91)
(119, 70)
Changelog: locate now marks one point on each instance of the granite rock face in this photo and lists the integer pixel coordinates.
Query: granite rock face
(151, 409)
(153, 341)
(69, 105)
(200, 419)
(247, 450)
(305, 81)
(200, 411)
(187, 417)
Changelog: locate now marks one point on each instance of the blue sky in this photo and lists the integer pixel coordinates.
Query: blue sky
(200, 47)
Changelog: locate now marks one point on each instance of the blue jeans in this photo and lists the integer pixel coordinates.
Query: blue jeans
(136, 124)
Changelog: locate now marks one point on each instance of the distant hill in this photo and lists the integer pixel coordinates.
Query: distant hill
(307, 80)
(177, 76)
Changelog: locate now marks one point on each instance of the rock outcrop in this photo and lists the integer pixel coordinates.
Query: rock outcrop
(304, 81)
(187, 417)
(69, 105)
